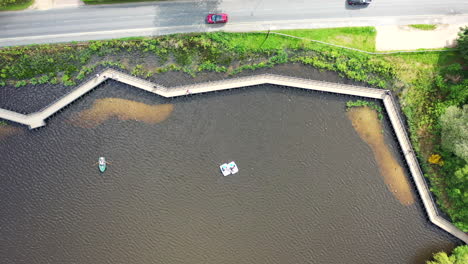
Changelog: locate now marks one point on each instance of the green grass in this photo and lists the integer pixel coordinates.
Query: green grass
(354, 37)
(258, 41)
(102, 2)
(422, 66)
(424, 26)
(18, 6)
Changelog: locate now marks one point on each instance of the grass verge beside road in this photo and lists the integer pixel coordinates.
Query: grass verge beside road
(362, 38)
(426, 83)
(424, 26)
(15, 5)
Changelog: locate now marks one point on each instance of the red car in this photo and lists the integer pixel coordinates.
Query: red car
(216, 18)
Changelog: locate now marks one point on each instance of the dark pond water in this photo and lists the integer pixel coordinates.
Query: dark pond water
(308, 190)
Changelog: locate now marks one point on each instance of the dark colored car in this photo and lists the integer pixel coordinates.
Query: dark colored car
(216, 18)
(359, 2)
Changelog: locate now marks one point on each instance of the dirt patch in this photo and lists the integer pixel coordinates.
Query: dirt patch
(368, 126)
(409, 38)
(123, 109)
(50, 4)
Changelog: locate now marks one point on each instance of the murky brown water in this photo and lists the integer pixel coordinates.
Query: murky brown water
(6, 131)
(368, 126)
(309, 188)
(103, 109)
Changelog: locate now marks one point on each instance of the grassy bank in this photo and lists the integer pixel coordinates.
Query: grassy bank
(362, 38)
(426, 83)
(424, 26)
(14, 5)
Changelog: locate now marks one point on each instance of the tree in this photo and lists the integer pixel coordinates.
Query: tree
(454, 124)
(459, 256)
(463, 42)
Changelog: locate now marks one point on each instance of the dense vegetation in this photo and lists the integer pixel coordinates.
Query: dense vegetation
(459, 256)
(9, 5)
(448, 132)
(427, 83)
(463, 42)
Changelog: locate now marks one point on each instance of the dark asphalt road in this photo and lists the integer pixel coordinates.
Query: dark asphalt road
(108, 21)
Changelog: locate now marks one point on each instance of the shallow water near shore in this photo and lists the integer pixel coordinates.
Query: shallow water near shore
(368, 126)
(106, 108)
(309, 189)
(7, 131)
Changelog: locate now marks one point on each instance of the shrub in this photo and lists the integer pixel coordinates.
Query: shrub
(5, 3)
(454, 123)
(435, 159)
(463, 42)
(459, 256)
(209, 66)
(372, 105)
(20, 83)
(138, 70)
(67, 81)
(43, 79)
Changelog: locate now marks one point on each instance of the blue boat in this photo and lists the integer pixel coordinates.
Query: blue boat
(102, 164)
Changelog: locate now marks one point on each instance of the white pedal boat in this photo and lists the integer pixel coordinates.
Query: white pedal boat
(233, 167)
(225, 169)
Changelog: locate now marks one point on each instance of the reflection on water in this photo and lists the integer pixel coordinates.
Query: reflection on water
(123, 109)
(367, 125)
(6, 131)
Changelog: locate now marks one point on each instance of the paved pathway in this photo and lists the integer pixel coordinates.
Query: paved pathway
(409, 38)
(54, 4)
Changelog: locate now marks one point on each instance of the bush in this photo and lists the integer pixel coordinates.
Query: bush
(5, 3)
(454, 123)
(372, 105)
(67, 81)
(463, 42)
(20, 83)
(138, 70)
(209, 66)
(459, 256)
(43, 79)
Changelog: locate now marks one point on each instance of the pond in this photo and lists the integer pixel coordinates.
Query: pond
(309, 190)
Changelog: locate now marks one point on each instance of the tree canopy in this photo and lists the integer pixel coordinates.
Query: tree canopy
(463, 42)
(459, 256)
(455, 131)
